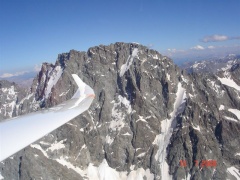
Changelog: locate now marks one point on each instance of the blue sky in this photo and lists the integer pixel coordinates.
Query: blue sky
(36, 31)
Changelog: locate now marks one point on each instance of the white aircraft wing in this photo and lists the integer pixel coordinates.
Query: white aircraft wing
(19, 132)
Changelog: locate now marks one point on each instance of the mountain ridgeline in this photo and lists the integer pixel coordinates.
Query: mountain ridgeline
(149, 119)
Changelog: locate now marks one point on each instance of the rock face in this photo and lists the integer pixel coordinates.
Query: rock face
(10, 95)
(147, 117)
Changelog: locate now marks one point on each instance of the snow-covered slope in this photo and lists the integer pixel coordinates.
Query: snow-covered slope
(167, 127)
(129, 62)
(229, 82)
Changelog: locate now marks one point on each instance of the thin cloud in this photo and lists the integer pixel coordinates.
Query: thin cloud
(217, 37)
(37, 67)
(198, 53)
(198, 47)
(150, 45)
(172, 50)
(175, 50)
(211, 47)
(8, 75)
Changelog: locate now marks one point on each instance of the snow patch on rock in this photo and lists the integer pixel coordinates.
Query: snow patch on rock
(54, 77)
(64, 93)
(163, 139)
(129, 62)
(57, 145)
(109, 140)
(236, 112)
(231, 119)
(104, 172)
(139, 174)
(1, 177)
(196, 128)
(118, 114)
(234, 171)
(37, 146)
(216, 88)
(229, 82)
(141, 119)
(69, 165)
(126, 134)
(221, 107)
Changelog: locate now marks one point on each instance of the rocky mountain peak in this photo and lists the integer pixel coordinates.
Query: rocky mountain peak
(146, 117)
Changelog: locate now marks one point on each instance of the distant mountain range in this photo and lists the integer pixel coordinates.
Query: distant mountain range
(24, 80)
(211, 65)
